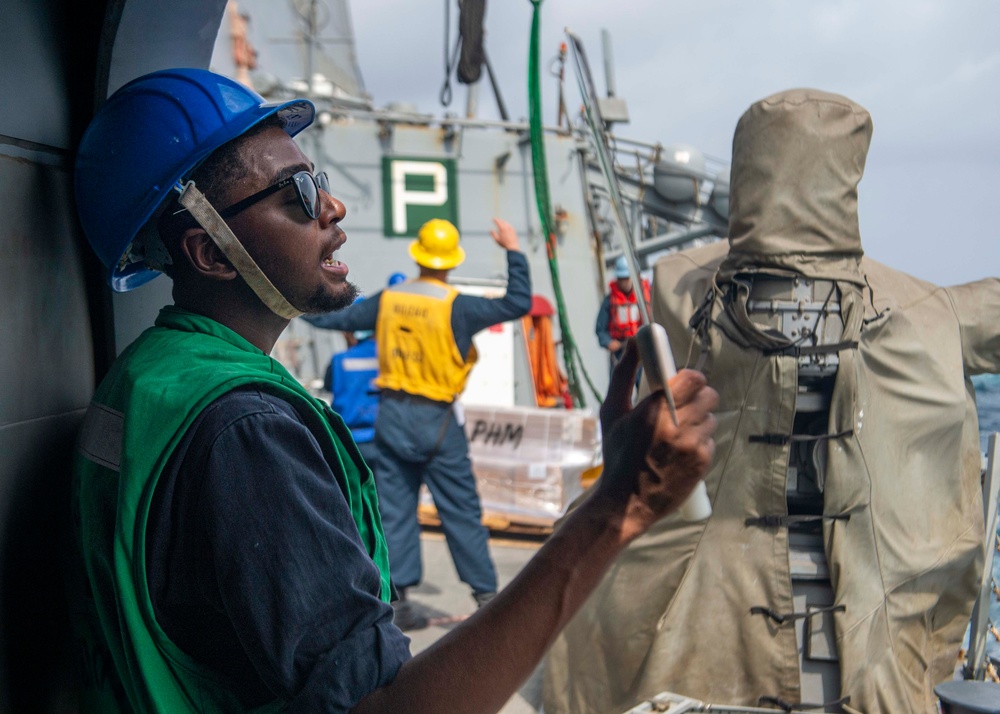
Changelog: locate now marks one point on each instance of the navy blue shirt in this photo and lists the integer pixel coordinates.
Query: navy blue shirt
(604, 322)
(469, 313)
(255, 565)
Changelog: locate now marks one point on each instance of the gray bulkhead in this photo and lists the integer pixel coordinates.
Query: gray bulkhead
(62, 326)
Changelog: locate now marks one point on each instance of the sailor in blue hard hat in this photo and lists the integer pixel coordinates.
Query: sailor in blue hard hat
(228, 483)
(621, 268)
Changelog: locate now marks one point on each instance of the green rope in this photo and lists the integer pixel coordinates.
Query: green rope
(571, 355)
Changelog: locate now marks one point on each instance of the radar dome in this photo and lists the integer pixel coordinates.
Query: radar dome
(676, 174)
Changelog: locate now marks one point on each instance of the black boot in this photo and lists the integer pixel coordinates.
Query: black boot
(483, 598)
(406, 615)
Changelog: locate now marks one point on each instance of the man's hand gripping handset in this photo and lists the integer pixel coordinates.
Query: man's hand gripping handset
(652, 464)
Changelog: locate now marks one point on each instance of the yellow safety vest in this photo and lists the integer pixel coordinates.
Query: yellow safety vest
(417, 352)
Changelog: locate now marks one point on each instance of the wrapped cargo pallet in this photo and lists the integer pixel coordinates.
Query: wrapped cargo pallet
(530, 463)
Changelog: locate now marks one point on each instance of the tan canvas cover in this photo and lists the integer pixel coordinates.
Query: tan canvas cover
(673, 613)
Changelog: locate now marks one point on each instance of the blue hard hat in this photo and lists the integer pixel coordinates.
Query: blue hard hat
(621, 267)
(396, 278)
(150, 134)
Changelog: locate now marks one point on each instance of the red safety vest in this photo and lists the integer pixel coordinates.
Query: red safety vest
(624, 321)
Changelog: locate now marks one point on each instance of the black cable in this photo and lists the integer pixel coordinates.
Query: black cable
(445, 96)
(501, 107)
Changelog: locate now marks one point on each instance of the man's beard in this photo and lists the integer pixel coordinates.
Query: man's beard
(322, 301)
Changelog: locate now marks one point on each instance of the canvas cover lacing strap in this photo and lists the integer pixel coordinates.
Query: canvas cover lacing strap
(804, 351)
(782, 619)
(736, 324)
(783, 521)
(782, 439)
(799, 706)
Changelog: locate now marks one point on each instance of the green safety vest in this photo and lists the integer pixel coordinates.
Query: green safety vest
(139, 414)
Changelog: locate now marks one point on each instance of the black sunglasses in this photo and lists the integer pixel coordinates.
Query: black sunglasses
(306, 186)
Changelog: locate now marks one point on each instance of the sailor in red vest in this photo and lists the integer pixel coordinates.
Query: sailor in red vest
(618, 319)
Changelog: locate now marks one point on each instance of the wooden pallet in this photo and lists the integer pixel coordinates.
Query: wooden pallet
(497, 523)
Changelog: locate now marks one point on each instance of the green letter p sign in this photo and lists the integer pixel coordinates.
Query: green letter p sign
(415, 190)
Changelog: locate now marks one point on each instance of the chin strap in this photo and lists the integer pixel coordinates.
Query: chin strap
(208, 218)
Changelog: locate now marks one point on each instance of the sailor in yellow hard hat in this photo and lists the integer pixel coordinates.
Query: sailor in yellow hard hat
(424, 328)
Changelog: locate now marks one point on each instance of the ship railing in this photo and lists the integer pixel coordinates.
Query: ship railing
(976, 663)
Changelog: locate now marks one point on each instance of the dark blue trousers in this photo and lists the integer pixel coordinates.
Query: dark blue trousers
(369, 452)
(420, 442)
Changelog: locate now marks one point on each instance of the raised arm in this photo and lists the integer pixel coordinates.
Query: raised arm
(650, 466)
(471, 314)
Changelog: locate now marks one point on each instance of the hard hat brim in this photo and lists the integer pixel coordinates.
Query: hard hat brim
(447, 261)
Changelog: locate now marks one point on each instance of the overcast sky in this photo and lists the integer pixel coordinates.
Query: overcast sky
(927, 70)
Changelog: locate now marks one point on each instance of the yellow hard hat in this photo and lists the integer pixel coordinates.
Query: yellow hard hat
(436, 246)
